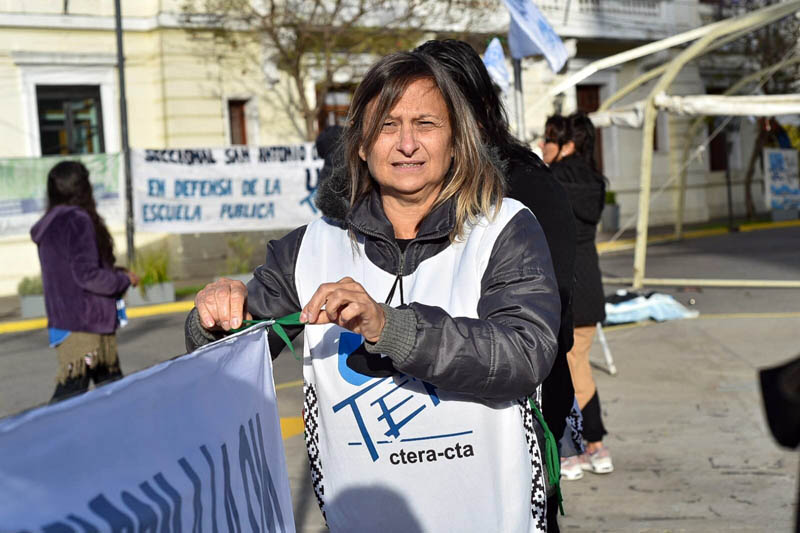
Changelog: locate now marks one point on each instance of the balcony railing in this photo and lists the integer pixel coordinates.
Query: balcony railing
(626, 7)
(619, 19)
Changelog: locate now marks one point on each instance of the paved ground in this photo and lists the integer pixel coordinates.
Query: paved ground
(686, 426)
(687, 432)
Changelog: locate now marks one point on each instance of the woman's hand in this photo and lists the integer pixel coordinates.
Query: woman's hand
(134, 279)
(222, 304)
(348, 305)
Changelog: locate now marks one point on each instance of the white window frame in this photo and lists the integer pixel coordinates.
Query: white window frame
(68, 69)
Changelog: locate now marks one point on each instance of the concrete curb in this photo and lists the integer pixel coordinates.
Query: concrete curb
(133, 312)
(629, 244)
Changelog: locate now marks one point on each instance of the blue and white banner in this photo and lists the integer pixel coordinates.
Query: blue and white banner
(192, 444)
(781, 179)
(495, 61)
(530, 34)
(23, 189)
(225, 189)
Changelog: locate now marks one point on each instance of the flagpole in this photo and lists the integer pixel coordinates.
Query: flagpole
(126, 149)
(518, 102)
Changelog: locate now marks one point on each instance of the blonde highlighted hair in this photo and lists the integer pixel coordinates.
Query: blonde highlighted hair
(474, 179)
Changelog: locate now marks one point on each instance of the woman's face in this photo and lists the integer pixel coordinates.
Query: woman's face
(413, 151)
(550, 150)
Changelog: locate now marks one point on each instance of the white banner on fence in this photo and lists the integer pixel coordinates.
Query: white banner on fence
(23, 189)
(193, 444)
(781, 179)
(225, 189)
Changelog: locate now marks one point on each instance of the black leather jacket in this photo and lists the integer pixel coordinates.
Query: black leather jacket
(502, 355)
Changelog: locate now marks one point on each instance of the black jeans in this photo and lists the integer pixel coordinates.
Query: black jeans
(593, 429)
(552, 514)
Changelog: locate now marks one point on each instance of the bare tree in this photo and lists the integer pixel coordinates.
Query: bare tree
(317, 44)
(768, 46)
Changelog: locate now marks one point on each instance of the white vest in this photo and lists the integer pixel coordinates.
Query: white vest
(397, 454)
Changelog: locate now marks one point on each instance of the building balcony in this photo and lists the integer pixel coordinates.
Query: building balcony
(624, 20)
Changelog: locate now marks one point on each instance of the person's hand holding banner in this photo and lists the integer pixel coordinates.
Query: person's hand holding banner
(346, 304)
(222, 304)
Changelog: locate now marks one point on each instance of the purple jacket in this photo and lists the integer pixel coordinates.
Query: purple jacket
(79, 290)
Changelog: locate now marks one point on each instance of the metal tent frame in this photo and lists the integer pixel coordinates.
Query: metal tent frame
(706, 39)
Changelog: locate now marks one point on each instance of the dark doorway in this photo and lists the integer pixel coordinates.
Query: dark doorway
(237, 121)
(718, 147)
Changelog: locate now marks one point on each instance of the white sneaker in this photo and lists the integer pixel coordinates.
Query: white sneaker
(598, 462)
(571, 468)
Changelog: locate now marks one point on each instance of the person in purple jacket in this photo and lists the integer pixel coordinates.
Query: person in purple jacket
(81, 283)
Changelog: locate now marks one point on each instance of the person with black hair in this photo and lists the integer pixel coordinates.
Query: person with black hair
(568, 148)
(332, 190)
(530, 182)
(81, 284)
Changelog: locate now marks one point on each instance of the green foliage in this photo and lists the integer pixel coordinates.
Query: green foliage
(191, 290)
(30, 286)
(152, 267)
(241, 252)
(794, 134)
(611, 198)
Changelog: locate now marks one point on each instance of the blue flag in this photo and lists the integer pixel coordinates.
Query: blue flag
(495, 62)
(530, 34)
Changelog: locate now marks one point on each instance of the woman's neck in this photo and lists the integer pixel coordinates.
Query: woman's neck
(406, 214)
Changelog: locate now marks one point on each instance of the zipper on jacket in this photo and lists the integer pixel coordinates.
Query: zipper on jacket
(399, 279)
(400, 262)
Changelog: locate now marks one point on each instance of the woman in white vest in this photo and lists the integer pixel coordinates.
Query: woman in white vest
(431, 313)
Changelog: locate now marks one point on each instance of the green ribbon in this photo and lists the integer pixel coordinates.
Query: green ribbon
(277, 326)
(552, 461)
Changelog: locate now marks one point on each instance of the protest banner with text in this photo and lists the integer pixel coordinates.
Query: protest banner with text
(225, 189)
(192, 444)
(781, 179)
(23, 189)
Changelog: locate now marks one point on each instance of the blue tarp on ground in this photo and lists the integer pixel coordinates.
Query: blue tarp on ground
(624, 307)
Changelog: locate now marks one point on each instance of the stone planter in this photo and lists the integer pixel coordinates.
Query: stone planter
(32, 305)
(159, 293)
(610, 218)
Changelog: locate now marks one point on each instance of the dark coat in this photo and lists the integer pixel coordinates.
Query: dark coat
(586, 189)
(80, 292)
(532, 183)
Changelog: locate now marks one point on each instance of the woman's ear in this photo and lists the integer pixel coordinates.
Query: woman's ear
(362, 154)
(567, 149)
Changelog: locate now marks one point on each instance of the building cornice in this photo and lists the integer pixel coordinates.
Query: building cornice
(88, 22)
(21, 57)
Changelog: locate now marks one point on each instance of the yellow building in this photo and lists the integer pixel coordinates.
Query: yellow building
(59, 93)
(178, 96)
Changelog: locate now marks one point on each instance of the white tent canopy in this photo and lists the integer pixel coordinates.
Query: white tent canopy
(629, 116)
(644, 114)
(763, 105)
